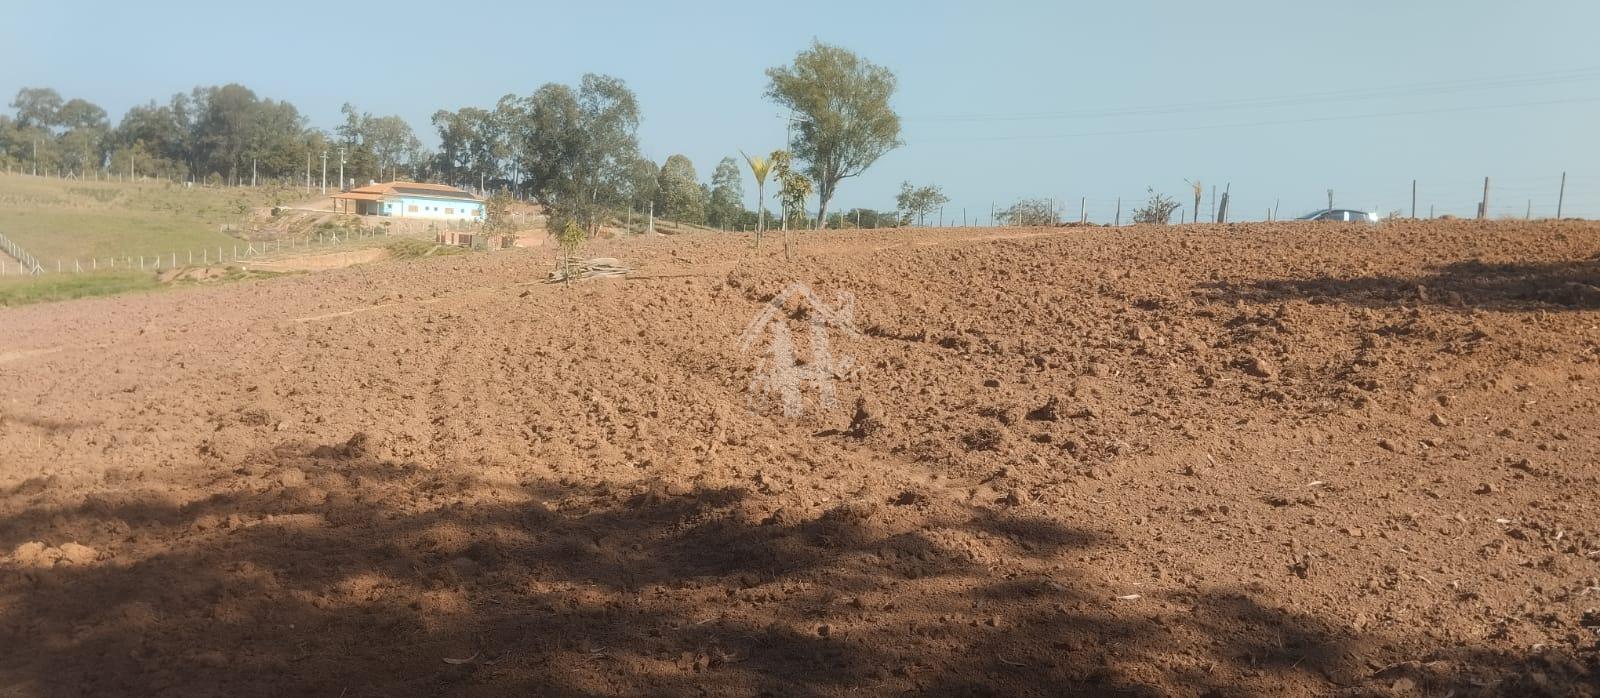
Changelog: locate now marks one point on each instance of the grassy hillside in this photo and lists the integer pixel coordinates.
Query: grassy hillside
(64, 219)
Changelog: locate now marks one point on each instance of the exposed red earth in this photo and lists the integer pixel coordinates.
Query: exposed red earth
(1287, 459)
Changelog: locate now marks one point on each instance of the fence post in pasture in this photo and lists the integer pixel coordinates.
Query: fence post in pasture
(1561, 197)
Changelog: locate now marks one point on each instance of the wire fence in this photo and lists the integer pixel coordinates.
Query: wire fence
(22, 263)
(1535, 197)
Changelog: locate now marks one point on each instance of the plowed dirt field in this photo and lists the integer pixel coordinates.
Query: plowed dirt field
(1201, 460)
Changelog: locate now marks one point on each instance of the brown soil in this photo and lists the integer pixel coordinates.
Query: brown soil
(1250, 459)
(321, 261)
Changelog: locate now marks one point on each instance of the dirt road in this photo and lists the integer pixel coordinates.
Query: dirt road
(1249, 459)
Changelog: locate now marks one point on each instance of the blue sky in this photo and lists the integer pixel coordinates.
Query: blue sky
(994, 94)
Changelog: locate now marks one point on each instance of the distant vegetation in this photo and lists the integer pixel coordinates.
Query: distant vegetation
(55, 219)
(573, 148)
(915, 203)
(1158, 208)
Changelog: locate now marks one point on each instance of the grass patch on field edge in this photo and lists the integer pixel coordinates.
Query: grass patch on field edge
(61, 287)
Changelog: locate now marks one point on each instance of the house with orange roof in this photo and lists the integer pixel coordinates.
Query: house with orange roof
(412, 200)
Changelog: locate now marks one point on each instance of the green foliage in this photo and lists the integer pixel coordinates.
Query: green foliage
(1158, 209)
(56, 219)
(727, 195)
(472, 146)
(793, 187)
(642, 184)
(1029, 212)
(846, 122)
(915, 203)
(376, 146)
(578, 150)
(866, 218)
(44, 288)
(571, 236)
(679, 196)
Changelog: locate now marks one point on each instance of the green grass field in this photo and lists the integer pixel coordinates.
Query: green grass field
(16, 290)
(66, 220)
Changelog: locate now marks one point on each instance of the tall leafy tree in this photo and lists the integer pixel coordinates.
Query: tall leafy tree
(577, 150)
(37, 107)
(727, 195)
(643, 183)
(680, 197)
(845, 120)
(915, 203)
(65, 134)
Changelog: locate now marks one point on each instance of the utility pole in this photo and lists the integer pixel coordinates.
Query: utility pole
(1330, 198)
(130, 164)
(1483, 206)
(36, 157)
(1118, 222)
(1562, 197)
(324, 171)
(308, 170)
(1213, 203)
(252, 172)
(1083, 210)
(1413, 198)
(341, 168)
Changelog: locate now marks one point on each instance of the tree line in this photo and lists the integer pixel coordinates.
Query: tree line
(573, 148)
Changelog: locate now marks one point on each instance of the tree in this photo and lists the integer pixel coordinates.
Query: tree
(1158, 209)
(1029, 212)
(793, 188)
(679, 196)
(846, 122)
(579, 151)
(727, 195)
(759, 167)
(37, 107)
(866, 218)
(643, 183)
(916, 202)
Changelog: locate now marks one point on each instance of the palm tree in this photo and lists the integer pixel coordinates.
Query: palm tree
(759, 166)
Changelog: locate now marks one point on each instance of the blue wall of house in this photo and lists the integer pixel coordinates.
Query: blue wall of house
(421, 207)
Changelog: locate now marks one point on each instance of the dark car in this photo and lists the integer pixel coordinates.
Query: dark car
(1340, 214)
